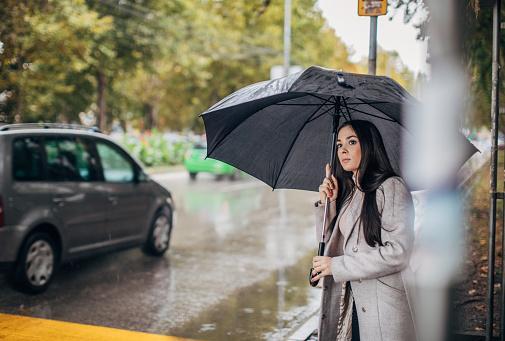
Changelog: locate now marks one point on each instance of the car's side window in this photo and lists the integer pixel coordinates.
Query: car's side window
(27, 160)
(116, 168)
(69, 160)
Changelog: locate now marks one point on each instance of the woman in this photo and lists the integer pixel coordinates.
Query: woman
(369, 237)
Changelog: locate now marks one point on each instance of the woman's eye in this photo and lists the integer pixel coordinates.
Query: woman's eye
(339, 145)
(351, 142)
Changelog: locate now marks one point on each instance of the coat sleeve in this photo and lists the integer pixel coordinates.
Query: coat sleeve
(397, 218)
(319, 213)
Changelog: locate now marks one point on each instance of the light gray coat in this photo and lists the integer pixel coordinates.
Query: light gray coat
(375, 273)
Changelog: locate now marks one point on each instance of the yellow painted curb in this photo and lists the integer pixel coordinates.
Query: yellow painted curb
(20, 328)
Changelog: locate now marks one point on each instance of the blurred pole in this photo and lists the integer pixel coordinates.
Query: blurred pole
(287, 36)
(281, 256)
(372, 50)
(432, 162)
(493, 178)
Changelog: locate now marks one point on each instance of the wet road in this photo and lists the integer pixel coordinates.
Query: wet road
(236, 269)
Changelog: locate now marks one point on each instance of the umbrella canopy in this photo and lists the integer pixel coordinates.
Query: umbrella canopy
(280, 131)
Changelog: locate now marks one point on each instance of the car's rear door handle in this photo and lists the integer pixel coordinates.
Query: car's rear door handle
(113, 199)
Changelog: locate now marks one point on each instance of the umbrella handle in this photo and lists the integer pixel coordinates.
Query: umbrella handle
(320, 252)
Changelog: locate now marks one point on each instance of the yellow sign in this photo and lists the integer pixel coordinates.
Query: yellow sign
(372, 7)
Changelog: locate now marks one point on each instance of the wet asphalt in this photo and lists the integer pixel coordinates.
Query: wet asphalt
(236, 269)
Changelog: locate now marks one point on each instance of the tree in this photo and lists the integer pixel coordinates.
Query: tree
(477, 50)
(150, 63)
(225, 47)
(42, 63)
(134, 40)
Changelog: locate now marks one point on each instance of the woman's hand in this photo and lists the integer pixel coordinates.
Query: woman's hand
(321, 266)
(329, 187)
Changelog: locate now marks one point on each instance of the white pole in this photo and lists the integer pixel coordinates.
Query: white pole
(372, 48)
(433, 161)
(287, 36)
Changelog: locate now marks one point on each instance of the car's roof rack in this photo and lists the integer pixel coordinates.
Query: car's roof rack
(47, 126)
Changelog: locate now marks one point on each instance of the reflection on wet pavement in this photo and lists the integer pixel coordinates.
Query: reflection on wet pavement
(266, 310)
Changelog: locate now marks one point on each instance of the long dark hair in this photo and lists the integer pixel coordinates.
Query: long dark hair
(373, 169)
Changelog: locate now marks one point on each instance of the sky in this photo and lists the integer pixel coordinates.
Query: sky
(342, 16)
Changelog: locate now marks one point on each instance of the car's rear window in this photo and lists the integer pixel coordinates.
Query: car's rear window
(53, 158)
(27, 159)
(69, 159)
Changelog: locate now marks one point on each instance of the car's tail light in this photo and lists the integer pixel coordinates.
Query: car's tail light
(2, 212)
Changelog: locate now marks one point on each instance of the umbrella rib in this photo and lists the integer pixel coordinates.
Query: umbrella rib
(294, 140)
(304, 104)
(315, 118)
(382, 118)
(322, 98)
(347, 108)
(367, 103)
(370, 104)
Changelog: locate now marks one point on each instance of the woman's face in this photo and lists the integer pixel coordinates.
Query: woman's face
(348, 149)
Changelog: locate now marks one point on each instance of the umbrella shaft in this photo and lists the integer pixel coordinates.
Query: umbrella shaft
(323, 228)
(320, 252)
(332, 165)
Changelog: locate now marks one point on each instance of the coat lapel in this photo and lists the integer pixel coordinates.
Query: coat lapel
(353, 213)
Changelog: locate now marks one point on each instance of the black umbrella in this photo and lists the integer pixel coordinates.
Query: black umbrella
(283, 131)
(280, 131)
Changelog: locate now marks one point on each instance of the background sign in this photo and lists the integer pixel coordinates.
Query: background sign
(372, 7)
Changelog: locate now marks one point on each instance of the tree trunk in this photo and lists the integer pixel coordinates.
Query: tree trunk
(150, 118)
(122, 122)
(100, 101)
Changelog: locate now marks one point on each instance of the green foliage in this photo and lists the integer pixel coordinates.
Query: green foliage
(476, 50)
(151, 63)
(46, 53)
(154, 150)
(478, 56)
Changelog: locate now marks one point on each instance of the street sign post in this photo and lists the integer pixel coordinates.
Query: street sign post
(372, 7)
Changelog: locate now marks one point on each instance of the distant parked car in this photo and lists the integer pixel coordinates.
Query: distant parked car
(67, 193)
(195, 162)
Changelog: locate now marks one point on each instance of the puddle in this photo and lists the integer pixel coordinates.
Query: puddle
(268, 310)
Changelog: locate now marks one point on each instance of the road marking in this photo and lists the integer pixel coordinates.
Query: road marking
(21, 328)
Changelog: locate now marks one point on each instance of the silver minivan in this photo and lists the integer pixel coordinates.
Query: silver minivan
(67, 192)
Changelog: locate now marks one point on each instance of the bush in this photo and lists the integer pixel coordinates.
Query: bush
(154, 150)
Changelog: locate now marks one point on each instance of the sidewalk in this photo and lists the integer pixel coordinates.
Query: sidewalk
(306, 331)
(21, 328)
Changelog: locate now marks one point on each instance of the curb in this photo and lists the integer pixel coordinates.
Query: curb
(306, 331)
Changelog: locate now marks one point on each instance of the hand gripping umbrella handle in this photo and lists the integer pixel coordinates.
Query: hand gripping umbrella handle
(320, 252)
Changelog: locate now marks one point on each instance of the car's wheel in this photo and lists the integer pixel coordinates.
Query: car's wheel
(158, 240)
(36, 264)
(192, 175)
